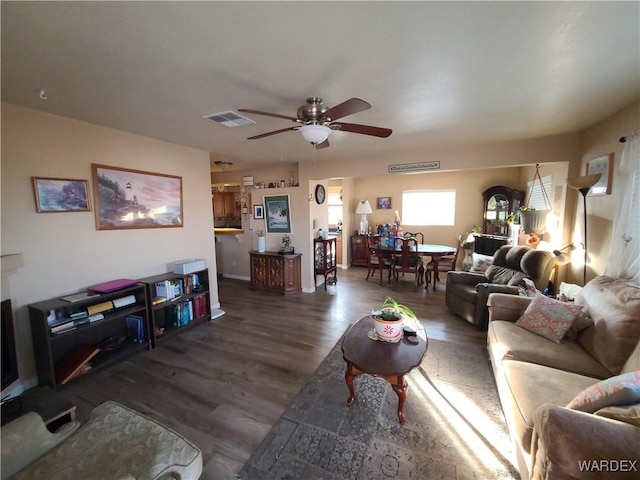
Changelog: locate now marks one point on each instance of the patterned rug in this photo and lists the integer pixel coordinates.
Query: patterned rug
(454, 430)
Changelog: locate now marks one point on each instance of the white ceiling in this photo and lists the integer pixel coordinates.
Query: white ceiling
(435, 72)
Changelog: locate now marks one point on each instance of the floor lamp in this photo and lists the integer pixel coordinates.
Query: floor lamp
(583, 185)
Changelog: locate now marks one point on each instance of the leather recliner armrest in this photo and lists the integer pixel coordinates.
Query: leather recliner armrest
(467, 278)
(570, 444)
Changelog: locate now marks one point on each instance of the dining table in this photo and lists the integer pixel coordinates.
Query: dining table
(424, 250)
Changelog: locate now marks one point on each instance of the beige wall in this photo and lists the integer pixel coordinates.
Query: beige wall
(63, 252)
(600, 139)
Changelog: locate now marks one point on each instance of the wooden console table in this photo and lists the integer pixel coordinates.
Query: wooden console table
(275, 272)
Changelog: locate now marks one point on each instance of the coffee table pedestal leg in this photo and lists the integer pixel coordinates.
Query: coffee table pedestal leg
(348, 378)
(400, 387)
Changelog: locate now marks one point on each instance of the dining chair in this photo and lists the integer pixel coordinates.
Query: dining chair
(373, 259)
(445, 264)
(418, 236)
(405, 259)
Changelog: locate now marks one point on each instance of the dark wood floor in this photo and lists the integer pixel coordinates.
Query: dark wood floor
(224, 384)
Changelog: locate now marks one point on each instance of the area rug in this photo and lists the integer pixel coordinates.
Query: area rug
(454, 430)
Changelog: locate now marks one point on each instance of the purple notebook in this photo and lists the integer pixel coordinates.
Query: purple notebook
(111, 286)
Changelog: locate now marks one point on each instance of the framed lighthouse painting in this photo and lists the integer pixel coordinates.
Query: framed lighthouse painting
(129, 199)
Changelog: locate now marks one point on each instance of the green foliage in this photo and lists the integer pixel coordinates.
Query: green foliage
(392, 310)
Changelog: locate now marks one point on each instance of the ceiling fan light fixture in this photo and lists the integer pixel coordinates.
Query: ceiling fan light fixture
(315, 133)
(222, 164)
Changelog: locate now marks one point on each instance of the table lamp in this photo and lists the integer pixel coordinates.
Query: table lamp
(583, 185)
(364, 208)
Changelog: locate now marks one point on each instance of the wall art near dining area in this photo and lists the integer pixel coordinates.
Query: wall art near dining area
(129, 199)
(604, 166)
(61, 195)
(278, 213)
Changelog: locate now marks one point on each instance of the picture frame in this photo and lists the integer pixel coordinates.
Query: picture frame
(604, 166)
(383, 203)
(247, 181)
(132, 199)
(277, 213)
(258, 212)
(53, 195)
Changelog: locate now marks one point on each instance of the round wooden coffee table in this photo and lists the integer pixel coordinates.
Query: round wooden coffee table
(391, 361)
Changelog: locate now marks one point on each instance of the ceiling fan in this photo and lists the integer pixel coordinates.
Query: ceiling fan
(316, 121)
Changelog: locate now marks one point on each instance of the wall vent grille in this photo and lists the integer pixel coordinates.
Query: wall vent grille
(230, 119)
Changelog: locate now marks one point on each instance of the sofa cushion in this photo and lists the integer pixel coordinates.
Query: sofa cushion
(508, 341)
(527, 386)
(633, 362)
(629, 414)
(548, 317)
(620, 390)
(614, 306)
(582, 322)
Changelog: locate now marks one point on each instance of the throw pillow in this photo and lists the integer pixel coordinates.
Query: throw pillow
(481, 262)
(630, 414)
(529, 289)
(615, 391)
(548, 317)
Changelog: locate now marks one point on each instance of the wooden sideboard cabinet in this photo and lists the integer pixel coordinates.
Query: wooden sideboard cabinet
(359, 251)
(274, 272)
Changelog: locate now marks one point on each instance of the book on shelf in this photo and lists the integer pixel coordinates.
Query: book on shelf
(135, 328)
(100, 307)
(76, 297)
(63, 327)
(169, 289)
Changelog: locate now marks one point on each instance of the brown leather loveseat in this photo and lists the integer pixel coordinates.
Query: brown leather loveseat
(467, 292)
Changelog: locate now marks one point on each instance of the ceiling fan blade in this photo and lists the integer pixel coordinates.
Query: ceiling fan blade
(262, 135)
(324, 144)
(363, 129)
(258, 112)
(348, 107)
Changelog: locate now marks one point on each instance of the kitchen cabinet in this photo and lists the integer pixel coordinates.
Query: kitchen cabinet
(224, 204)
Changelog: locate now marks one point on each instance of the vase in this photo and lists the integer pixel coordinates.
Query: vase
(262, 244)
(388, 330)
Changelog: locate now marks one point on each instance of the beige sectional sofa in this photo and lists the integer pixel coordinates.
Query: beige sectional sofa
(537, 378)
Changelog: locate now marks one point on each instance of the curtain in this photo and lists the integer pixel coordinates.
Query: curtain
(624, 257)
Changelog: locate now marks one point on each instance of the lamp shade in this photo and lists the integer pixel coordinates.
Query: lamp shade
(364, 207)
(586, 181)
(315, 134)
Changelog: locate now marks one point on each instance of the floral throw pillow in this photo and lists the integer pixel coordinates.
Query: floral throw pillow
(548, 317)
(615, 391)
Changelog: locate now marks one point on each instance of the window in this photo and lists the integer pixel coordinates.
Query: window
(418, 207)
(537, 198)
(334, 202)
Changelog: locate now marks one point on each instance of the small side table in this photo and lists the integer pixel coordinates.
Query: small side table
(54, 408)
(391, 361)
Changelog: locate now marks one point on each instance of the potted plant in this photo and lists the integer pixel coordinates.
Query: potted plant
(532, 220)
(388, 320)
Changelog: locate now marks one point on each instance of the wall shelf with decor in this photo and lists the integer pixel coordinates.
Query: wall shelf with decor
(74, 336)
(177, 302)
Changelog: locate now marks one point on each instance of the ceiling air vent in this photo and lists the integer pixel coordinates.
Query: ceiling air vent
(230, 119)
